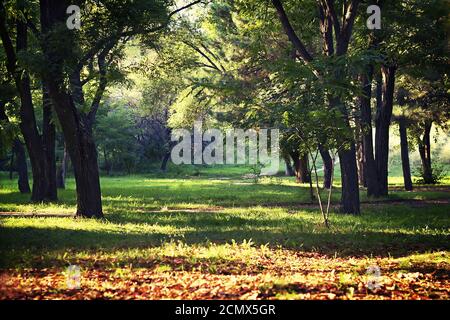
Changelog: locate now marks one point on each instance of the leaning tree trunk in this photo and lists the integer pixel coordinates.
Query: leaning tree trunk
(383, 121)
(22, 169)
(327, 167)
(405, 154)
(425, 153)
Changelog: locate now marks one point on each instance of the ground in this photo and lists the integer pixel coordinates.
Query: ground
(209, 234)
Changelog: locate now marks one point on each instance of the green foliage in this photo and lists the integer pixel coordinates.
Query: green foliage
(438, 173)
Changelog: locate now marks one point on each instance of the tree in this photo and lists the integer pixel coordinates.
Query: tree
(69, 54)
(39, 148)
(342, 29)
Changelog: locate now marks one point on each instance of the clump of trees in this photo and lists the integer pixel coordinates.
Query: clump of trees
(311, 68)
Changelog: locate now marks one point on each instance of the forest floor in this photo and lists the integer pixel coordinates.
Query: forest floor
(206, 237)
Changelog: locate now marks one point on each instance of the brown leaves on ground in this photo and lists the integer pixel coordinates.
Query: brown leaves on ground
(268, 274)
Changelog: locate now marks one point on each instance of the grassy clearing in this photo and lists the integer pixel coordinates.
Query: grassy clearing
(218, 236)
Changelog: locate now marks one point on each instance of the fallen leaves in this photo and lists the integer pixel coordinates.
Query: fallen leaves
(266, 274)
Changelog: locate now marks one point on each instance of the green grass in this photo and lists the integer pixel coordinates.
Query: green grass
(149, 211)
(212, 224)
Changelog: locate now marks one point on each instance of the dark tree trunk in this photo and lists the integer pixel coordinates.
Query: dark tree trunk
(75, 124)
(370, 170)
(62, 170)
(81, 147)
(11, 165)
(343, 31)
(425, 153)
(22, 169)
(301, 167)
(49, 136)
(327, 167)
(405, 154)
(383, 121)
(164, 162)
(28, 126)
(349, 178)
(289, 171)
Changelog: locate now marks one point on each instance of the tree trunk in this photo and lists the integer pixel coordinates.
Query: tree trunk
(11, 164)
(22, 169)
(301, 167)
(49, 136)
(75, 124)
(28, 126)
(360, 162)
(327, 167)
(349, 178)
(370, 170)
(62, 170)
(383, 121)
(425, 153)
(164, 162)
(405, 154)
(289, 171)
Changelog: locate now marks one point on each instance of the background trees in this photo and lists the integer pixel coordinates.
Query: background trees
(119, 85)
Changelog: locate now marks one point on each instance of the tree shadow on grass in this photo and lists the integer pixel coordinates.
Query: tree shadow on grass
(344, 243)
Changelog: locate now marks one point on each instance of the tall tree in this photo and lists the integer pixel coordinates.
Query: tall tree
(342, 30)
(42, 173)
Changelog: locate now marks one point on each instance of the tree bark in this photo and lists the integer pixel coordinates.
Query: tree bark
(327, 167)
(405, 154)
(21, 165)
(383, 121)
(289, 171)
(425, 153)
(300, 167)
(28, 126)
(75, 124)
(49, 141)
(370, 170)
(62, 170)
(342, 31)
(349, 177)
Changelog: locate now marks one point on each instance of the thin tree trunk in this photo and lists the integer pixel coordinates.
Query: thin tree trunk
(62, 170)
(405, 154)
(49, 136)
(383, 121)
(22, 169)
(360, 162)
(425, 153)
(370, 171)
(164, 162)
(327, 167)
(11, 164)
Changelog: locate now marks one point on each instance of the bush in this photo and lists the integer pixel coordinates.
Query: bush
(438, 173)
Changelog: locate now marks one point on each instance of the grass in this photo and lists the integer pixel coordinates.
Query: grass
(213, 230)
